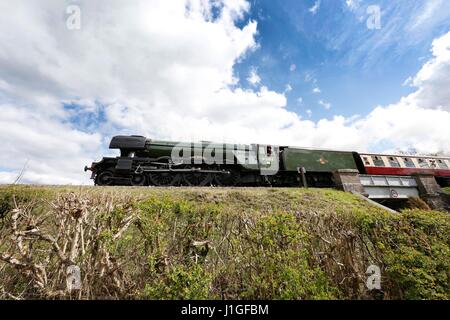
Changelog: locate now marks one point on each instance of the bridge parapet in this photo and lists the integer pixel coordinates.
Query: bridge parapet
(348, 180)
(427, 184)
(431, 192)
(392, 188)
(389, 187)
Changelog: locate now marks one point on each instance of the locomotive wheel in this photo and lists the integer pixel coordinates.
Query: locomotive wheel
(161, 179)
(231, 179)
(138, 180)
(105, 178)
(197, 179)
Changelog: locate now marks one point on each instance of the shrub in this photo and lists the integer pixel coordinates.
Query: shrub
(217, 244)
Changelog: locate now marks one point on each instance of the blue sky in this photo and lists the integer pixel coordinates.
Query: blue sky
(307, 73)
(355, 68)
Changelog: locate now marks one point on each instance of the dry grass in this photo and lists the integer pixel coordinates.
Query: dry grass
(205, 243)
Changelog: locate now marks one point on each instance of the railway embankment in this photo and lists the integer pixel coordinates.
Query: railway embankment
(216, 243)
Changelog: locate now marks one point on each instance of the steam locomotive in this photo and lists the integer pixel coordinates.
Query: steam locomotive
(145, 161)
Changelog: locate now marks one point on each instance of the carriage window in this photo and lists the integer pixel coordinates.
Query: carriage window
(269, 151)
(366, 161)
(378, 162)
(394, 162)
(423, 163)
(409, 163)
(441, 164)
(433, 163)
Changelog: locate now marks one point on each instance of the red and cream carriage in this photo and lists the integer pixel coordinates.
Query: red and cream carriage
(406, 165)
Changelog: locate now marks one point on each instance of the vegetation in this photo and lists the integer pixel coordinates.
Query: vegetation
(446, 190)
(200, 243)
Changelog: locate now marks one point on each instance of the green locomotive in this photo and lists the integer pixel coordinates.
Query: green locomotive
(145, 161)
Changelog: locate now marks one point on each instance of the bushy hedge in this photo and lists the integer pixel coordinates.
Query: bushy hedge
(242, 244)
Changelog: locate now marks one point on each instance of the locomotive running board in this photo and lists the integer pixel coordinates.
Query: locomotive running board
(180, 171)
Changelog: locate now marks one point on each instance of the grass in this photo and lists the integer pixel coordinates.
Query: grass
(236, 243)
(446, 190)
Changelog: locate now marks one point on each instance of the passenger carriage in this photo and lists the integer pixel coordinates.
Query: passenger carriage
(407, 165)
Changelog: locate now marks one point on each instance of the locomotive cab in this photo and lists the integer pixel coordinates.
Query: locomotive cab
(128, 145)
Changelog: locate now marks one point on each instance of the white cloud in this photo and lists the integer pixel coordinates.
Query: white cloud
(160, 68)
(309, 113)
(56, 153)
(432, 13)
(253, 77)
(288, 88)
(407, 125)
(405, 27)
(352, 4)
(419, 120)
(316, 90)
(315, 8)
(433, 80)
(324, 104)
(310, 77)
(164, 69)
(408, 82)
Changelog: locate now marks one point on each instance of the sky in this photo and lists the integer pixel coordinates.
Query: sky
(340, 74)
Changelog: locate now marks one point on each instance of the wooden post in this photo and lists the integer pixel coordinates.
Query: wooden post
(303, 181)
